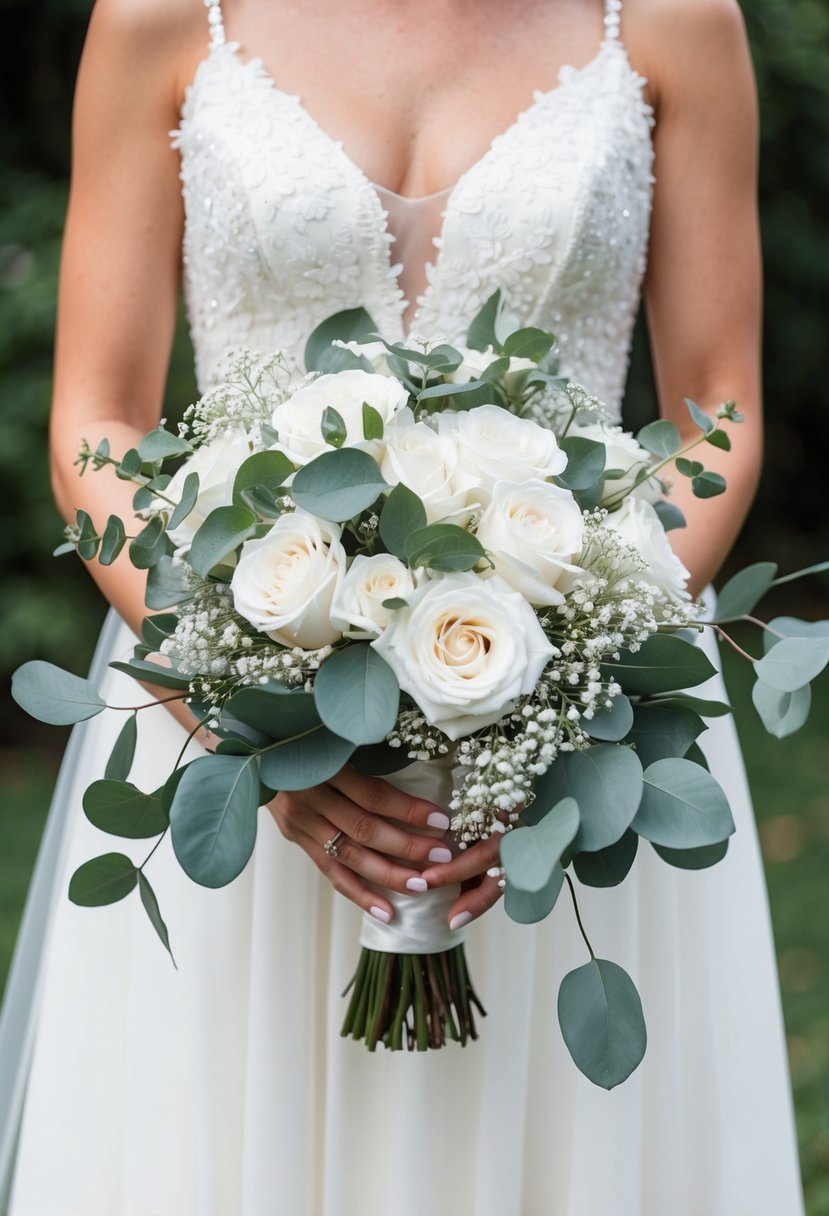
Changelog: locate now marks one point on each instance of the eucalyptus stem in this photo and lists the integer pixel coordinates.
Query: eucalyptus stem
(726, 637)
(578, 916)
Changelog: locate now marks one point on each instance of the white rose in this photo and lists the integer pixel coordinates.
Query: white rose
(426, 463)
(465, 649)
(533, 533)
(217, 464)
(357, 608)
(639, 526)
(285, 583)
(623, 452)
(475, 363)
(298, 419)
(493, 445)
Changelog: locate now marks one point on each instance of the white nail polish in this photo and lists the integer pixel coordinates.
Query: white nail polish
(417, 884)
(438, 820)
(440, 855)
(458, 922)
(380, 914)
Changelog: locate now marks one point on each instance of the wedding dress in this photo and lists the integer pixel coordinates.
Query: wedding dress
(222, 1088)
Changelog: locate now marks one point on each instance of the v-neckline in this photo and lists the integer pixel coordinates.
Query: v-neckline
(566, 77)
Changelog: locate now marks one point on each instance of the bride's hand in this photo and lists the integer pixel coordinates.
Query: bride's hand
(480, 889)
(375, 844)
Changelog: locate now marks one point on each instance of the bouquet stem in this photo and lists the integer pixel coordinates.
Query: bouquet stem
(422, 998)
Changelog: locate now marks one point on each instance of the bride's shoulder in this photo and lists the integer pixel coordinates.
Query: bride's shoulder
(685, 44)
(151, 41)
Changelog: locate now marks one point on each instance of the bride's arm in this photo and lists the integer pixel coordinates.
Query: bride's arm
(703, 284)
(116, 317)
(703, 288)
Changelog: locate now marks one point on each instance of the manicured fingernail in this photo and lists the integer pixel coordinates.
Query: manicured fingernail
(437, 819)
(380, 914)
(458, 922)
(442, 855)
(417, 884)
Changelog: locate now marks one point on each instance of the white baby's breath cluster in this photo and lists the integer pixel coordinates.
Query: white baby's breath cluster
(556, 406)
(250, 389)
(414, 736)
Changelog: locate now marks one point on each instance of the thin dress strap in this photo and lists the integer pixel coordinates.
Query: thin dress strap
(217, 26)
(612, 20)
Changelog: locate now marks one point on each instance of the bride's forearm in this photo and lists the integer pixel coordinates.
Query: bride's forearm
(102, 494)
(713, 524)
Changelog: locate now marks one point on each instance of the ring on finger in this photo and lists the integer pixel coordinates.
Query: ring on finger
(330, 846)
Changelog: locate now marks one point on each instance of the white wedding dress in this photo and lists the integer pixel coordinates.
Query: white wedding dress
(223, 1088)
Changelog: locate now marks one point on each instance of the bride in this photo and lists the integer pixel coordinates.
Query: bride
(334, 154)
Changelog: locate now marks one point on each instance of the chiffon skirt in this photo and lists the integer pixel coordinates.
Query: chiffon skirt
(223, 1089)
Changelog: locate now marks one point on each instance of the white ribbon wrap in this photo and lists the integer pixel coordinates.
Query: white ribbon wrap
(420, 924)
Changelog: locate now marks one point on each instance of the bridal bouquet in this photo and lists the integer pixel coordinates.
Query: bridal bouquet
(425, 553)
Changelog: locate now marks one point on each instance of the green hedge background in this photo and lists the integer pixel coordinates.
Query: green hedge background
(50, 610)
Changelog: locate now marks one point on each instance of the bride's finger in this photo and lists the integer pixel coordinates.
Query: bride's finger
(381, 798)
(372, 831)
(473, 902)
(375, 867)
(469, 864)
(345, 882)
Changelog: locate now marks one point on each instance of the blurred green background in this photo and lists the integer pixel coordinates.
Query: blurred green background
(50, 610)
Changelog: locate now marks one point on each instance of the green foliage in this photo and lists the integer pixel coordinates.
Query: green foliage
(357, 694)
(602, 1023)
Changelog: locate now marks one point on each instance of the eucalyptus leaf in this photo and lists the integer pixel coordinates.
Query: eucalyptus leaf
(345, 326)
(697, 705)
(315, 756)
(530, 854)
(689, 468)
(529, 907)
(819, 568)
(483, 330)
(88, 539)
(188, 499)
(153, 673)
(123, 752)
(661, 438)
(52, 695)
(693, 859)
(601, 1021)
(103, 880)
(373, 425)
(606, 782)
(611, 725)
(708, 485)
(528, 343)
(380, 760)
(682, 806)
(112, 541)
(585, 462)
(213, 818)
(121, 809)
(333, 427)
(659, 733)
(166, 586)
(662, 664)
(338, 485)
(793, 662)
(129, 465)
(153, 911)
(156, 629)
(782, 713)
(261, 501)
(150, 545)
(741, 593)
(267, 469)
(275, 710)
(670, 515)
(609, 866)
(462, 396)
(220, 535)
(704, 421)
(719, 439)
(791, 627)
(357, 694)
(444, 547)
(403, 513)
(160, 444)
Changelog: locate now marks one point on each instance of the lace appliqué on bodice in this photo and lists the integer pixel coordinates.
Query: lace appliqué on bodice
(283, 229)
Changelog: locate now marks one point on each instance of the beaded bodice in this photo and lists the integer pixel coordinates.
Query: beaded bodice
(282, 228)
